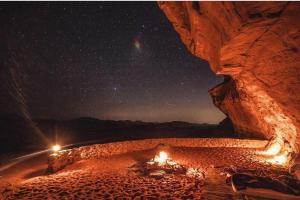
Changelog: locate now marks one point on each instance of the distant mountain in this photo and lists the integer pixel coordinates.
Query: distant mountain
(18, 134)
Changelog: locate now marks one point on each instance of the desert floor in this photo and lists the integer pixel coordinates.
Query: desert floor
(110, 178)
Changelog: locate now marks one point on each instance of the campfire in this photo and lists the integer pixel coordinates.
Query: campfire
(162, 158)
(162, 165)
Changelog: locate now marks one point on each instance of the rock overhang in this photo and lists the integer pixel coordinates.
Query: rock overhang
(256, 46)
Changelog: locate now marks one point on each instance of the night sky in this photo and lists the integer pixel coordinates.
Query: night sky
(120, 61)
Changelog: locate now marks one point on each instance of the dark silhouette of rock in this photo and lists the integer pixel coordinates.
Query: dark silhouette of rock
(18, 136)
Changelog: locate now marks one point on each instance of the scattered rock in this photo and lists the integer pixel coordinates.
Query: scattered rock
(283, 184)
(157, 173)
(60, 159)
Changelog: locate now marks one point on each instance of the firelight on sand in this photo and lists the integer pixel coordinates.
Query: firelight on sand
(161, 158)
(56, 148)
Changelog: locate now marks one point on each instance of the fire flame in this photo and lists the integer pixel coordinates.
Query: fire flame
(161, 158)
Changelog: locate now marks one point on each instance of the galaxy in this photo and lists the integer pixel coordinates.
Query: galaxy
(107, 60)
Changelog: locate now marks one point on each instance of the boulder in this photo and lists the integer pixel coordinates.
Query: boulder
(61, 159)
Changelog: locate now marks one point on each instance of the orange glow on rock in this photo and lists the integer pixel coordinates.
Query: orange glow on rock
(280, 159)
(274, 149)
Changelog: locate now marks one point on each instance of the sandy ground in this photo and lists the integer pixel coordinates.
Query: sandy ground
(109, 178)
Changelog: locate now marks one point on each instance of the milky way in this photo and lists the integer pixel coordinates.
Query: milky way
(104, 60)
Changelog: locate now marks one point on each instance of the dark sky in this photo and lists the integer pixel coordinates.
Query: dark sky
(104, 60)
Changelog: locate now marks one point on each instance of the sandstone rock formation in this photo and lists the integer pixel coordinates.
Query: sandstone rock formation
(256, 47)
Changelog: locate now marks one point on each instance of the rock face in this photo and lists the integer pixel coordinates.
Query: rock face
(256, 47)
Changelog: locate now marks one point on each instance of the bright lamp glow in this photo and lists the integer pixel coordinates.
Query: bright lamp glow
(56, 148)
(281, 159)
(274, 149)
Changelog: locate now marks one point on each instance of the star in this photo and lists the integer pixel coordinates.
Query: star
(137, 43)
(118, 58)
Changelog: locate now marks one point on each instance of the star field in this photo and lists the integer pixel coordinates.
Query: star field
(120, 60)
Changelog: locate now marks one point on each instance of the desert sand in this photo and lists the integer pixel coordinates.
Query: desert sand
(111, 177)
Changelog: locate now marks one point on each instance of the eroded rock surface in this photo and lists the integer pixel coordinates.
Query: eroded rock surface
(256, 46)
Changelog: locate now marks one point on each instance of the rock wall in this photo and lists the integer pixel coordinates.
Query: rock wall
(256, 47)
